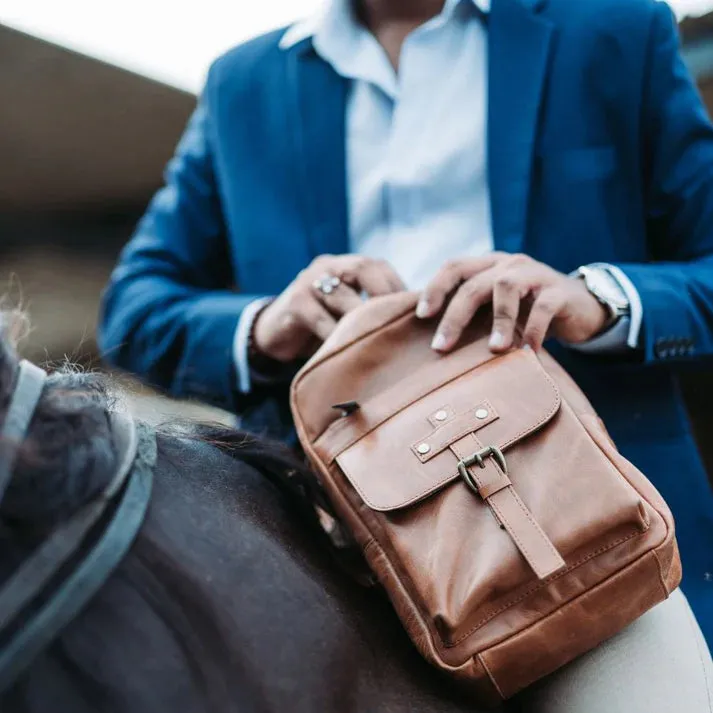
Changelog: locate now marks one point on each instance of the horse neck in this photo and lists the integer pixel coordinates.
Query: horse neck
(227, 603)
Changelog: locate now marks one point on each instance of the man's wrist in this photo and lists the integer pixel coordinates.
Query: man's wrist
(264, 369)
(615, 337)
(605, 288)
(258, 361)
(240, 343)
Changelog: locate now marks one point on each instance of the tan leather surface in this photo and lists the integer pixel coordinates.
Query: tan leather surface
(497, 491)
(452, 428)
(515, 382)
(596, 615)
(502, 586)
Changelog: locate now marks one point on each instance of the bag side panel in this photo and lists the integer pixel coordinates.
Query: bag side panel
(548, 645)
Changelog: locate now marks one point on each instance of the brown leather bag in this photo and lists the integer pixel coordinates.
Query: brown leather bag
(508, 532)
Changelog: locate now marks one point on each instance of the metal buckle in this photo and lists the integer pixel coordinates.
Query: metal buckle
(478, 457)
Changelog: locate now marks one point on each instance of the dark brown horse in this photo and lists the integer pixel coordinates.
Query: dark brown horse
(228, 599)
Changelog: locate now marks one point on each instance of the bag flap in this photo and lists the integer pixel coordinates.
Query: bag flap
(406, 457)
(381, 345)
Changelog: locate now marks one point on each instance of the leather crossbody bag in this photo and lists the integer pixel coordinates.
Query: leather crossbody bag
(507, 530)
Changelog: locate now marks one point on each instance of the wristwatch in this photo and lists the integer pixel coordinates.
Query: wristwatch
(606, 290)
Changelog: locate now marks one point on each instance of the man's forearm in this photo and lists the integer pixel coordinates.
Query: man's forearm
(177, 338)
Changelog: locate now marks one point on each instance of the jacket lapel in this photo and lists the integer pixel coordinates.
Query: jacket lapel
(318, 96)
(519, 44)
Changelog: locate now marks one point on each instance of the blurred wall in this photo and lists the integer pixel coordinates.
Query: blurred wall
(83, 146)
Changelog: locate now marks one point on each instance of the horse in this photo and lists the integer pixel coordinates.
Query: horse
(229, 599)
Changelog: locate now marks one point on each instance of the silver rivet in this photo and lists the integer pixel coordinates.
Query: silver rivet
(440, 415)
(423, 448)
(481, 413)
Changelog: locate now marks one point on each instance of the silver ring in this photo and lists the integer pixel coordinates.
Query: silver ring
(326, 284)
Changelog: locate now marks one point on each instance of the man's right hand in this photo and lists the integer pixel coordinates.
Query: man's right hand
(303, 316)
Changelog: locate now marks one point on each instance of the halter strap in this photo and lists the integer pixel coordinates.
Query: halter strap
(29, 581)
(28, 390)
(36, 571)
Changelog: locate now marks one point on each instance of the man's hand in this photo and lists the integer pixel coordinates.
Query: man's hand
(304, 316)
(554, 304)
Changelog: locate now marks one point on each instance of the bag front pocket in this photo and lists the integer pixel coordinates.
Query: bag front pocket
(460, 566)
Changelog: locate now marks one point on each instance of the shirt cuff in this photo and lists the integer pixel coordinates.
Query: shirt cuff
(610, 340)
(636, 310)
(240, 342)
(624, 333)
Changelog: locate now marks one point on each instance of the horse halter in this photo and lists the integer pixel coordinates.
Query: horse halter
(30, 619)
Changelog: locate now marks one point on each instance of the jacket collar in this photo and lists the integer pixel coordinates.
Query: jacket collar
(519, 53)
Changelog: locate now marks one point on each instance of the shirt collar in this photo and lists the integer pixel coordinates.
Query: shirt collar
(336, 15)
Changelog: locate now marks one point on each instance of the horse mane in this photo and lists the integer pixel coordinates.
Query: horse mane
(69, 456)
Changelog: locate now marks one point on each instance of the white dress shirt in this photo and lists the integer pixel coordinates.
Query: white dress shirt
(417, 184)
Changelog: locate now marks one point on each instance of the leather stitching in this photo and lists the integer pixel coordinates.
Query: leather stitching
(467, 370)
(490, 676)
(492, 489)
(662, 578)
(403, 407)
(508, 525)
(528, 515)
(399, 503)
(406, 313)
(470, 427)
(408, 595)
(408, 591)
(499, 512)
(541, 584)
(548, 415)
(425, 493)
(621, 474)
(304, 373)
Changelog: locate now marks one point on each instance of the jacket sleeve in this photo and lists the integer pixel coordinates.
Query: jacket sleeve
(676, 289)
(169, 314)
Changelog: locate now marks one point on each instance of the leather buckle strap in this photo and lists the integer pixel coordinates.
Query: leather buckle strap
(490, 481)
(477, 457)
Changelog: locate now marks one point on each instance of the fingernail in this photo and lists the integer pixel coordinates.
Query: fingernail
(527, 347)
(439, 342)
(422, 309)
(497, 340)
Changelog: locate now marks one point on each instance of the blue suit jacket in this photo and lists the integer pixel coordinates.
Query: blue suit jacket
(599, 149)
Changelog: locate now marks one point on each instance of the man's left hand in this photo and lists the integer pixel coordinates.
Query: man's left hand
(554, 304)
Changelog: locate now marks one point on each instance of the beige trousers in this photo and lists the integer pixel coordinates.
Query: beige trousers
(659, 664)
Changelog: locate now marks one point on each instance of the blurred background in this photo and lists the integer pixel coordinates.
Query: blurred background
(94, 98)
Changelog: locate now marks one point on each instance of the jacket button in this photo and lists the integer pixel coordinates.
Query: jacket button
(665, 347)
